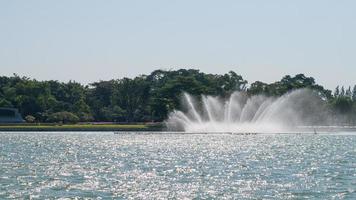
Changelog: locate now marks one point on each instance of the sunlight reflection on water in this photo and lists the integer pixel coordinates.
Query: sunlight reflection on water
(154, 166)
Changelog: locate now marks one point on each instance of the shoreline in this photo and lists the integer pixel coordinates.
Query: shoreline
(143, 127)
(81, 127)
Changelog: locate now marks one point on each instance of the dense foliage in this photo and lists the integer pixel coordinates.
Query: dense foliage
(146, 97)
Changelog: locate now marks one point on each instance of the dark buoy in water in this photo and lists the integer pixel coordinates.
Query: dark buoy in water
(315, 132)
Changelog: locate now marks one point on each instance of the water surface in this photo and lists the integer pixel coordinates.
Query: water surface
(160, 166)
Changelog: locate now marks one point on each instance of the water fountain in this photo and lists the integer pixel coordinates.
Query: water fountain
(241, 113)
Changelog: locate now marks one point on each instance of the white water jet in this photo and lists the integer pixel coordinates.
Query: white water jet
(242, 114)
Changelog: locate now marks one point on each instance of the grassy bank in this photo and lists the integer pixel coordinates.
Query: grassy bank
(81, 127)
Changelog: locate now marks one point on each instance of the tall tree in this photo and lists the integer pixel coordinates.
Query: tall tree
(354, 93)
(337, 91)
(348, 92)
(342, 92)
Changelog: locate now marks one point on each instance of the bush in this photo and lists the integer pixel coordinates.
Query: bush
(63, 117)
(85, 117)
(30, 119)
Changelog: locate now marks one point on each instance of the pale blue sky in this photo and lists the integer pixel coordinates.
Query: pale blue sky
(261, 40)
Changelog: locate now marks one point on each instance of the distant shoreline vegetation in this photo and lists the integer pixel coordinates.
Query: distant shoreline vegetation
(81, 127)
(148, 98)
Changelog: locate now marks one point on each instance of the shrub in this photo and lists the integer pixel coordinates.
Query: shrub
(85, 117)
(30, 119)
(63, 117)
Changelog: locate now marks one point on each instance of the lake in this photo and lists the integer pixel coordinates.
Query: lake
(172, 165)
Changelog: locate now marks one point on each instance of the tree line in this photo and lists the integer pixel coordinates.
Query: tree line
(146, 98)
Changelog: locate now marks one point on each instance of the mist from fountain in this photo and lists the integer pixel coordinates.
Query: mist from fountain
(241, 113)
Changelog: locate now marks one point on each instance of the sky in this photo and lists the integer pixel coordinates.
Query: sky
(87, 41)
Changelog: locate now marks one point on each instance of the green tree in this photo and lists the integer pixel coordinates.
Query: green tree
(63, 117)
(100, 96)
(259, 87)
(348, 92)
(354, 93)
(337, 91)
(342, 91)
(133, 95)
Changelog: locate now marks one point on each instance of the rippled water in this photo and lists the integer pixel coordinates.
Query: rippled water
(160, 166)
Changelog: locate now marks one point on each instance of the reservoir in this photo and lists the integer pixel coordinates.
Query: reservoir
(47, 165)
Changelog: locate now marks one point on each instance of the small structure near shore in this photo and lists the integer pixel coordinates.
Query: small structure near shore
(10, 115)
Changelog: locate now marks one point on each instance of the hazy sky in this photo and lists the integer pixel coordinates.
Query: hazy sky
(261, 40)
